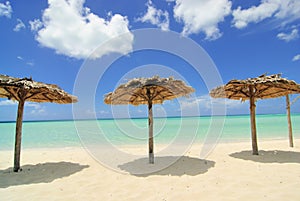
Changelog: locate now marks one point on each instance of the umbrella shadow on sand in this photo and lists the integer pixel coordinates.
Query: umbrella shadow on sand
(39, 173)
(168, 165)
(271, 156)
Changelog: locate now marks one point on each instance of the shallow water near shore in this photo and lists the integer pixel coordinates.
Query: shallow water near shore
(135, 131)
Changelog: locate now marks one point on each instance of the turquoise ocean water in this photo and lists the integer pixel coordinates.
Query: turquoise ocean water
(135, 131)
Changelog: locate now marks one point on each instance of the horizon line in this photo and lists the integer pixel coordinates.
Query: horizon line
(121, 118)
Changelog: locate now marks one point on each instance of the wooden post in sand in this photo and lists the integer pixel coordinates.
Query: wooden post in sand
(18, 137)
(253, 122)
(288, 113)
(150, 124)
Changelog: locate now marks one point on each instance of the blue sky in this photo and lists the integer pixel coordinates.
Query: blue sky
(52, 41)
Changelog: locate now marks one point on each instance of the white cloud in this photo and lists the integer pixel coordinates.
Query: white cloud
(5, 9)
(289, 11)
(30, 63)
(8, 102)
(296, 57)
(24, 60)
(73, 30)
(37, 109)
(288, 36)
(20, 58)
(207, 102)
(103, 112)
(202, 16)
(286, 11)
(90, 112)
(36, 106)
(160, 111)
(35, 25)
(156, 17)
(241, 18)
(38, 112)
(19, 26)
(205, 105)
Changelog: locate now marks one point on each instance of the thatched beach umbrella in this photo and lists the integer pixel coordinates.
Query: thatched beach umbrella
(148, 91)
(251, 89)
(26, 89)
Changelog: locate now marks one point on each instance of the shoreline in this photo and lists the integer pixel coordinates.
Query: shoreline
(197, 142)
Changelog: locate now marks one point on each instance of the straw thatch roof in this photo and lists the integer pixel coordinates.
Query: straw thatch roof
(271, 86)
(13, 88)
(141, 90)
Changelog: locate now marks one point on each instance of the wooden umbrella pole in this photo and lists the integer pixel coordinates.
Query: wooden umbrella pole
(150, 123)
(288, 111)
(253, 122)
(18, 135)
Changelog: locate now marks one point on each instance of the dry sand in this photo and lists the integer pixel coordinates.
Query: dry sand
(230, 172)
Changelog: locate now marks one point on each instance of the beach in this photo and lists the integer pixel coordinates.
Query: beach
(150, 100)
(229, 172)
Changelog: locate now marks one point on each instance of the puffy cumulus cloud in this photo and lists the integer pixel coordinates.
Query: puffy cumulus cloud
(288, 36)
(5, 9)
(20, 25)
(35, 25)
(73, 30)
(156, 17)
(287, 11)
(202, 16)
(241, 18)
(296, 57)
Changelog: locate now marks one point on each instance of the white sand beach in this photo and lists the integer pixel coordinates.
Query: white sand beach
(230, 172)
